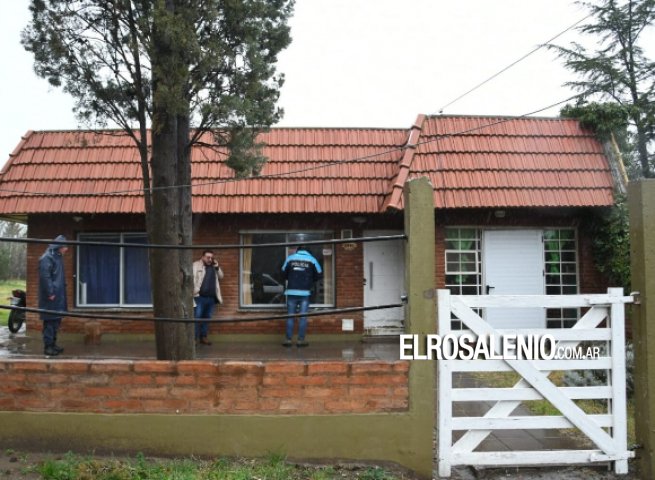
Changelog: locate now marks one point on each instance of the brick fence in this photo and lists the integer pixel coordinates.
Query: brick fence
(197, 387)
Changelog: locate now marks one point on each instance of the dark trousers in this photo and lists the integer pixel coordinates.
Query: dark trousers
(204, 309)
(50, 329)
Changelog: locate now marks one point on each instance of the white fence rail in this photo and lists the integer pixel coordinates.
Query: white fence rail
(603, 322)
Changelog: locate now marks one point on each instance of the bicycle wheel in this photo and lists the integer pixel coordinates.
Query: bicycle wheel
(15, 320)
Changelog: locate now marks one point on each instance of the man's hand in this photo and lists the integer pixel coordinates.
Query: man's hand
(51, 297)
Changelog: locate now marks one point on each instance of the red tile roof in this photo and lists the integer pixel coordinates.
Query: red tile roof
(509, 162)
(471, 162)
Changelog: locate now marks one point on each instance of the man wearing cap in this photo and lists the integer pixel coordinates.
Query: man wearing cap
(301, 271)
(52, 293)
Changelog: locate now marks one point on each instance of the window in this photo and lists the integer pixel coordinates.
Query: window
(111, 276)
(262, 284)
(463, 264)
(561, 274)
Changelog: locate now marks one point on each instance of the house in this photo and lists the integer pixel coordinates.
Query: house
(510, 194)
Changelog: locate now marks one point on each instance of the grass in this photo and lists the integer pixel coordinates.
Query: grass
(5, 291)
(274, 467)
(544, 407)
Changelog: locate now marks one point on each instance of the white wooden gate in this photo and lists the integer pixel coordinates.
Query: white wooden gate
(608, 432)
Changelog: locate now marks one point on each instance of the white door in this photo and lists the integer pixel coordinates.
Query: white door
(513, 264)
(384, 282)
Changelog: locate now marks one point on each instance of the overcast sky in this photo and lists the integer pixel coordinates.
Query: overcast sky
(357, 63)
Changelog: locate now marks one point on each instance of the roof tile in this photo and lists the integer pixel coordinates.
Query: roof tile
(511, 162)
(471, 162)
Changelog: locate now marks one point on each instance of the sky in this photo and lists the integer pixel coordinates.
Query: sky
(360, 63)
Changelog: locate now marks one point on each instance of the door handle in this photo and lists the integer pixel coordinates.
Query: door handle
(489, 287)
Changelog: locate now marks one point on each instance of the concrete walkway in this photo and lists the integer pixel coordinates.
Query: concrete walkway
(133, 347)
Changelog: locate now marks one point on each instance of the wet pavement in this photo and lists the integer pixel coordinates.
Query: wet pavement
(133, 347)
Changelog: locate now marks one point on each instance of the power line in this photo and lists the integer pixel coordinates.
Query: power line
(204, 184)
(443, 190)
(502, 120)
(101, 316)
(503, 70)
(290, 172)
(380, 238)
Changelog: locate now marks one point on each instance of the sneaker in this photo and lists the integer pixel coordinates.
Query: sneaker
(58, 349)
(205, 341)
(50, 352)
(287, 343)
(301, 343)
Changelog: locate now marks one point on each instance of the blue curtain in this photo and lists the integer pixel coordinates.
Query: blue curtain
(136, 283)
(100, 271)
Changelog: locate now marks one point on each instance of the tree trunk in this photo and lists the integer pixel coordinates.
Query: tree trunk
(185, 227)
(170, 215)
(642, 151)
(170, 269)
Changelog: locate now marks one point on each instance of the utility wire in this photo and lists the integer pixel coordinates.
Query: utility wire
(92, 315)
(101, 316)
(503, 70)
(204, 184)
(498, 122)
(381, 238)
(290, 172)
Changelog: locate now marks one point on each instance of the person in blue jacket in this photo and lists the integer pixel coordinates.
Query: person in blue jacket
(301, 271)
(52, 293)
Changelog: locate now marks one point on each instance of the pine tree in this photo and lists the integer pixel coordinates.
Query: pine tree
(618, 71)
(198, 71)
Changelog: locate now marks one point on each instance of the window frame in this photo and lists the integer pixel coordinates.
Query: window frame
(85, 236)
(260, 306)
(478, 272)
(563, 320)
(455, 323)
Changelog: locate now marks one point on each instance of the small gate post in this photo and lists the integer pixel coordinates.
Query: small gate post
(421, 311)
(641, 200)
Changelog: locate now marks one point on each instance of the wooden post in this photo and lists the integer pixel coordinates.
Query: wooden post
(421, 312)
(641, 199)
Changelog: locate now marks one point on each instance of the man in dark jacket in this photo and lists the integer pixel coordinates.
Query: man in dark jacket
(52, 293)
(301, 270)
